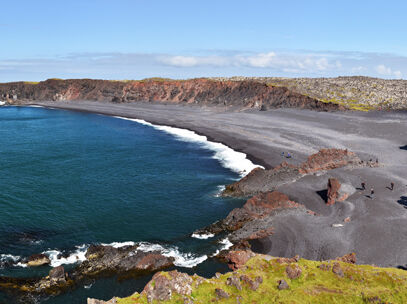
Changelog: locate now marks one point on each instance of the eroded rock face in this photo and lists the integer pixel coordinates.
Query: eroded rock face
(260, 180)
(247, 94)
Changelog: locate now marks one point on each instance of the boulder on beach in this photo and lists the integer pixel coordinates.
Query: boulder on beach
(338, 192)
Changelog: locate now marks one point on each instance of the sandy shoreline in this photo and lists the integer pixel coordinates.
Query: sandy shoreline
(378, 227)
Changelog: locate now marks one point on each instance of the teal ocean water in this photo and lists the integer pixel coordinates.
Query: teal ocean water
(71, 179)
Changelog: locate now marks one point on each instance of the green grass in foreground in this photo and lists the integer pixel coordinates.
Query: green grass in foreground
(360, 284)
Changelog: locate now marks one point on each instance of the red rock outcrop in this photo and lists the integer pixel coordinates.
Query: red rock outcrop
(238, 258)
(348, 258)
(333, 191)
(259, 206)
(328, 159)
(253, 220)
(260, 180)
(252, 94)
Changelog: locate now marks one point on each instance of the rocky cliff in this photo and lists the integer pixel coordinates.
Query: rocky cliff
(353, 92)
(242, 94)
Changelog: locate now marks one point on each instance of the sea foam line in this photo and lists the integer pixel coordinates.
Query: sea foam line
(181, 259)
(228, 158)
(77, 256)
(187, 260)
(202, 236)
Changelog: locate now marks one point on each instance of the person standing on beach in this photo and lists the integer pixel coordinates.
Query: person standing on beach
(391, 186)
(371, 193)
(363, 184)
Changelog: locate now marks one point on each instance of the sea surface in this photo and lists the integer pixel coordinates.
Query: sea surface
(71, 179)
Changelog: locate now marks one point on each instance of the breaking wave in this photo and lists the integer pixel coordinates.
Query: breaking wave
(228, 158)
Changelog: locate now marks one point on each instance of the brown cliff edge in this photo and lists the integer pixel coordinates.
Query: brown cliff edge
(241, 94)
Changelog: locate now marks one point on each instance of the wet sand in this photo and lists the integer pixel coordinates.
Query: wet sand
(377, 231)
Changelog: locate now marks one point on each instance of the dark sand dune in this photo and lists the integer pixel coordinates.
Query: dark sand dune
(377, 231)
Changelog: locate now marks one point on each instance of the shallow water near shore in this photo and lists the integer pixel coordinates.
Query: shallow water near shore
(72, 179)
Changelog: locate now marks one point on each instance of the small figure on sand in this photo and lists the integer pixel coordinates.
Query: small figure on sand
(391, 186)
(363, 184)
(282, 154)
(288, 155)
(371, 193)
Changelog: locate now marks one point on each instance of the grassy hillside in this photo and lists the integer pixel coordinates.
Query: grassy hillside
(317, 282)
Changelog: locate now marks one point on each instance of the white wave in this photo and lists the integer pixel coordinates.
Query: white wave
(9, 257)
(19, 264)
(229, 158)
(77, 256)
(226, 244)
(187, 260)
(202, 236)
(120, 244)
(220, 190)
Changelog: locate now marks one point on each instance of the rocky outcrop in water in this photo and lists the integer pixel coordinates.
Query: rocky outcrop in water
(38, 260)
(261, 180)
(101, 261)
(241, 94)
(105, 260)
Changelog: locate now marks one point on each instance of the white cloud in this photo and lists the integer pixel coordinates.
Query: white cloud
(387, 71)
(279, 61)
(259, 61)
(193, 61)
(211, 63)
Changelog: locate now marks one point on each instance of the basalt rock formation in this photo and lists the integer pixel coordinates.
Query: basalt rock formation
(242, 94)
(254, 219)
(101, 261)
(261, 180)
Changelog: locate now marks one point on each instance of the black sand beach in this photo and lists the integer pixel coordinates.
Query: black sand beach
(377, 230)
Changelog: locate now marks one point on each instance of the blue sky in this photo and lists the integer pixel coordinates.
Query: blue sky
(124, 39)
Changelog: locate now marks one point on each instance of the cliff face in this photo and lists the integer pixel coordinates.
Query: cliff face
(245, 94)
(354, 92)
